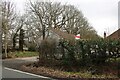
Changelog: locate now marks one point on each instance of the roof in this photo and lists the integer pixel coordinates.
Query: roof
(114, 35)
(62, 34)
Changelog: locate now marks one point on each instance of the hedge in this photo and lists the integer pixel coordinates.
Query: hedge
(82, 52)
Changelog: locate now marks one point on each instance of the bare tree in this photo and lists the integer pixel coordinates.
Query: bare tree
(8, 16)
(20, 22)
(39, 10)
(48, 14)
(44, 15)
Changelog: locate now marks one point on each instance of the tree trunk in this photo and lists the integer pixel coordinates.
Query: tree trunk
(21, 39)
(0, 41)
(43, 31)
(6, 43)
(14, 43)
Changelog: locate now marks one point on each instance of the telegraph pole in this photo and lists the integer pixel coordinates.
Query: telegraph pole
(119, 34)
(0, 42)
(119, 19)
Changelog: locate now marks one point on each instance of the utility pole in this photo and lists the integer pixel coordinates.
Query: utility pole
(118, 35)
(119, 19)
(0, 43)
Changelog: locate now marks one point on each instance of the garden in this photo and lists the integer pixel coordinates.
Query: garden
(46, 29)
(81, 59)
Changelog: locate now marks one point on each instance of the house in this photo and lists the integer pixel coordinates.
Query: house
(58, 34)
(114, 35)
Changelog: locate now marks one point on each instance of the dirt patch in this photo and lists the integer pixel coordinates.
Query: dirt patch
(45, 71)
(59, 73)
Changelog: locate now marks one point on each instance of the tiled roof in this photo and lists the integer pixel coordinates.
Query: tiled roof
(114, 35)
(62, 34)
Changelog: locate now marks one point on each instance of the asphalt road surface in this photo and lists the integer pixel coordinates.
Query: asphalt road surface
(10, 70)
(12, 73)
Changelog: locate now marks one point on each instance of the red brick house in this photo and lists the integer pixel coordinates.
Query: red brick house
(114, 35)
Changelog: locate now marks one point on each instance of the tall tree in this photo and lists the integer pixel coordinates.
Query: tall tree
(8, 17)
(44, 15)
(20, 22)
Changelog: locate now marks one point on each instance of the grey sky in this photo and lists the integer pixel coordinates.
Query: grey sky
(101, 14)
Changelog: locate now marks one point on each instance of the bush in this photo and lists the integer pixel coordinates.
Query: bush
(32, 47)
(89, 52)
(82, 52)
(47, 48)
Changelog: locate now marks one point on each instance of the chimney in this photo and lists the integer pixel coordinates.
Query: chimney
(104, 34)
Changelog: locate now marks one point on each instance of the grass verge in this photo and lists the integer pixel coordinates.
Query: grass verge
(17, 54)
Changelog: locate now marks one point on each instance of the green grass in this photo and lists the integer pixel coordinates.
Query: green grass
(113, 59)
(118, 59)
(22, 54)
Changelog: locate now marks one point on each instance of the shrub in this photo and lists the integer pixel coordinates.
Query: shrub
(32, 47)
(82, 52)
(47, 48)
(89, 52)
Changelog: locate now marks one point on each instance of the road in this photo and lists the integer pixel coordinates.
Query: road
(10, 69)
(13, 73)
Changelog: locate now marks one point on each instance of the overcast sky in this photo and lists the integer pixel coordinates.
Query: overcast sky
(101, 14)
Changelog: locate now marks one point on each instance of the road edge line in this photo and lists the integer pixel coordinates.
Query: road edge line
(10, 69)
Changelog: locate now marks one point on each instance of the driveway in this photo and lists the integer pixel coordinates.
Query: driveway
(17, 62)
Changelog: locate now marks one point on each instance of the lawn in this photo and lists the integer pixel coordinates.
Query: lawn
(21, 54)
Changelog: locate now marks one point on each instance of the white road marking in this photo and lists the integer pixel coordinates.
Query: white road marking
(25, 73)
